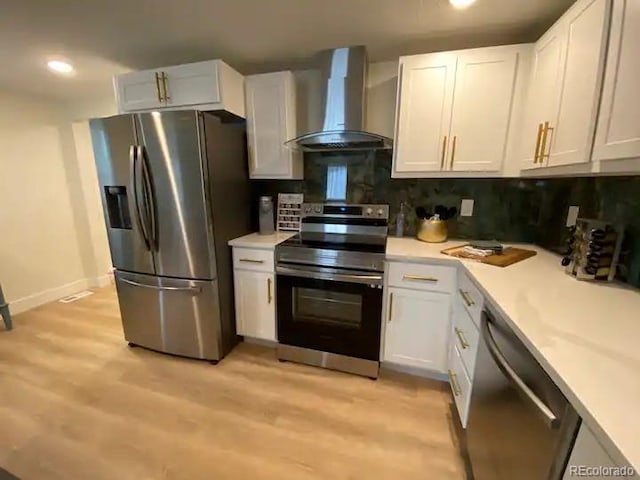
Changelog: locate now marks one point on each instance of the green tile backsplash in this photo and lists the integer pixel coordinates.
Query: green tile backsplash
(508, 210)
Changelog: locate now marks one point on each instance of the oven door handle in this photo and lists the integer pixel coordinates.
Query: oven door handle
(540, 407)
(368, 279)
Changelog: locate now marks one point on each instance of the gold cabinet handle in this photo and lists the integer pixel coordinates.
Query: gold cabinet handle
(463, 341)
(453, 379)
(543, 145)
(467, 298)
(251, 260)
(165, 84)
(420, 278)
(269, 297)
(453, 151)
(160, 98)
(444, 152)
(536, 156)
(390, 307)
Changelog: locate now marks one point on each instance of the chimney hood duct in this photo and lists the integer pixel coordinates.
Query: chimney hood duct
(335, 104)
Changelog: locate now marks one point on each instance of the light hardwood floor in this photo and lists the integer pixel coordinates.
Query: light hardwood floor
(77, 403)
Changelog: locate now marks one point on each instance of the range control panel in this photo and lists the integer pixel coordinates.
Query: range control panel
(345, 210)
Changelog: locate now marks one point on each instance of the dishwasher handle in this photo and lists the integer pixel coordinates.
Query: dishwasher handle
(541, 408)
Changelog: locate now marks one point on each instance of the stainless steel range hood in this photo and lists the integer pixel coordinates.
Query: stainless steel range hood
(335, 104)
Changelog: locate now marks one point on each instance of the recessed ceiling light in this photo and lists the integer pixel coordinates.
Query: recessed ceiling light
(461, 3)
(59, 66)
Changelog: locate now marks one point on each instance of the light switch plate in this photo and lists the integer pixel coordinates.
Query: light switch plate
(572, 216)
(466, 207)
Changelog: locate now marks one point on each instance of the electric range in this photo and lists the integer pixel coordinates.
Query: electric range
(329, 287)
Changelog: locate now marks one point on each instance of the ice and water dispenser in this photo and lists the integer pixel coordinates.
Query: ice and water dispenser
(117, 207)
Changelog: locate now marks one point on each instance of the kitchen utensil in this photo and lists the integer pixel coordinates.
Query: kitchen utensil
(509, 256)
(593, 250)
(495, 247)
(289, 205)
(441, 211)
(421, 212)
(432, 230)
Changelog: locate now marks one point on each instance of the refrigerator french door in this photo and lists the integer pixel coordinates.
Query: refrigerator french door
(154, 174)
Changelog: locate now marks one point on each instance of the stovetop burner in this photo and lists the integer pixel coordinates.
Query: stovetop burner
(338, 236)
(338, 241)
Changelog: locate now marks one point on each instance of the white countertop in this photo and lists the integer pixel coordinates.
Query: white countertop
(586, 335)
(264, 242)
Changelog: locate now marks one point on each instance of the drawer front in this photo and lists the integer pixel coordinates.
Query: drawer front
(460, 384)
(465, 336)
(435, 278)
(471, 298)
(253, 259)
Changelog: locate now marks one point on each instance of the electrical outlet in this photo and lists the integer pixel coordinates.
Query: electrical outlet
(466, 207)
(572, 216)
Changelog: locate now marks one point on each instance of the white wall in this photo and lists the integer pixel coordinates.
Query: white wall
(47, 240)
(98, 107)
(382, 85)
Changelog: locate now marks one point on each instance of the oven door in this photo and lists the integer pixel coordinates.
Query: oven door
(330, 310)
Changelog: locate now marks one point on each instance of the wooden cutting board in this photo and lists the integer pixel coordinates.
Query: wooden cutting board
(509, 256)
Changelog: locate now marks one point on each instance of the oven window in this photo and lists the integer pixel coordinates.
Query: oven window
(312, 305)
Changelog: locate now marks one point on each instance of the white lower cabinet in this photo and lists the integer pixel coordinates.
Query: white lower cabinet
(465, 336)
(463, 348)
(417, 328)
(590, 459)
(255, 291)
(460, 384)
(255, 304)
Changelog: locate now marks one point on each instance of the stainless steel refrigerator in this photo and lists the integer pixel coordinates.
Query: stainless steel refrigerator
(174, 189)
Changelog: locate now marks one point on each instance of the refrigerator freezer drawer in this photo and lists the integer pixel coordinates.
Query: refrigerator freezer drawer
(171, 315)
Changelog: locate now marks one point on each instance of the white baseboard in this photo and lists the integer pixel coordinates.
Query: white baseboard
(260, 341)
(101, 281)
(40, 298)
(418, 372)
(35, 300)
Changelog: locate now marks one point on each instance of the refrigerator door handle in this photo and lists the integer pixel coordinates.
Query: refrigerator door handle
(194, 290)
(133, 176)
(149, 198)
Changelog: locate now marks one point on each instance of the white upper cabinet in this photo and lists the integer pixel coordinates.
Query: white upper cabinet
(271, 121)
(483, 98)
(423, 112)
(542, 96)
(565, 87)
(453, 111)
(583, 65)
(618, 130)
(210, 85)
(139, 91)
(417, 329)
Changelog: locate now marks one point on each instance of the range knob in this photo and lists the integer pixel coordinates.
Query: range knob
(380, 212)
(369, 211)
(317, 209)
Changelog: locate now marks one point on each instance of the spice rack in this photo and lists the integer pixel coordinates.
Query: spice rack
(289, 207)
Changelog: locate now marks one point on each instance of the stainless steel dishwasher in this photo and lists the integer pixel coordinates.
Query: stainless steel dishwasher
(520, 425)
